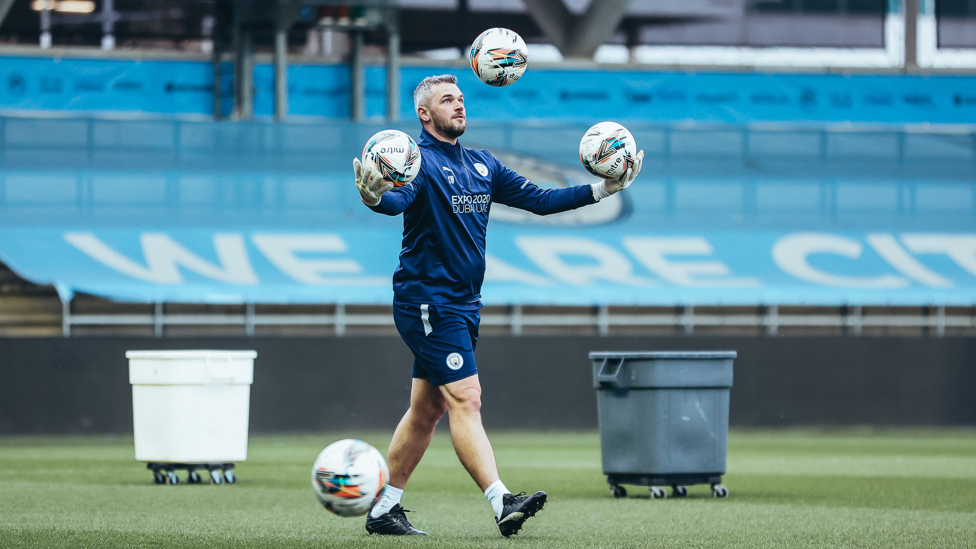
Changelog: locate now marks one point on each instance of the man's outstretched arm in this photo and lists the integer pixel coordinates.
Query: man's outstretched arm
(514, 190)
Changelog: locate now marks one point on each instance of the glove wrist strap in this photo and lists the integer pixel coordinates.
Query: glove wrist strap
(599, 190)
(367, 202)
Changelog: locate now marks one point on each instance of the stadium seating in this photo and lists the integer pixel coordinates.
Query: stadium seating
(146, 174)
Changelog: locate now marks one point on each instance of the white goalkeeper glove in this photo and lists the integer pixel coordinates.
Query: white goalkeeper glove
(370, 183)
(607, 187)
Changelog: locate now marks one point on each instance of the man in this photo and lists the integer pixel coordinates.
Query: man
(437, 294)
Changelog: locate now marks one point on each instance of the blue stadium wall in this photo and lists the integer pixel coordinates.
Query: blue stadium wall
(757, 188)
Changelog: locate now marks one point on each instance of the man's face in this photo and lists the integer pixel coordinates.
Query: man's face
(446, 110)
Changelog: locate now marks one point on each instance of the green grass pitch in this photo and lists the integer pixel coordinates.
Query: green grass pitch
(797, 488)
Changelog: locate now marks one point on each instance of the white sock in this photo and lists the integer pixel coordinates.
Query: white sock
(391, 497)
(494, 493)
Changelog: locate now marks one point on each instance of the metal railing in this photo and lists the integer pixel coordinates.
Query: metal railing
(685, 320)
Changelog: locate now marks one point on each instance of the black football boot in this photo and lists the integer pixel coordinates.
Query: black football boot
(516, 509)
(392, 523)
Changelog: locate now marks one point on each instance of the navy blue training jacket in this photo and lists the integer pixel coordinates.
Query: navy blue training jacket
(445, 218)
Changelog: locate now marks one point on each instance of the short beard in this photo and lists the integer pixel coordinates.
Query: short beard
(450, 128)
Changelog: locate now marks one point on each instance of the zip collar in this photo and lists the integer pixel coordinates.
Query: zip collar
(430, 141)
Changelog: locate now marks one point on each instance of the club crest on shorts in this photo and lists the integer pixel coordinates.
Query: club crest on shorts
(455, 361)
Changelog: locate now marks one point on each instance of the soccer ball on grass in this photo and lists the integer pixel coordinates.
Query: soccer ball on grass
(349, 477)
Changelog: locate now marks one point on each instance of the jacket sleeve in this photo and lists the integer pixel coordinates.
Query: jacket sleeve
(512, 189)
(398, 199)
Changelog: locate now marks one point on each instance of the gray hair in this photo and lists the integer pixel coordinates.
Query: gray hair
(425, 90)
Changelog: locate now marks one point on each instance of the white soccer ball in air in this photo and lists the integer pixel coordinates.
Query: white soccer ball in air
(498, 57)
(394, 154)
(349, 477)
(607, 150)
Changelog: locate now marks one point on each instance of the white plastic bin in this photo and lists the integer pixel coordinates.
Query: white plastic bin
(191, 406)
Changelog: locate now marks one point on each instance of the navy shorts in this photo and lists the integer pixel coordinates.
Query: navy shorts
(442, 338)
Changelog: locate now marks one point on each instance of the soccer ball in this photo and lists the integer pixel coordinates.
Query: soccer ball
(349, 477)
(498, 57)
(394, 154)
(607, 150)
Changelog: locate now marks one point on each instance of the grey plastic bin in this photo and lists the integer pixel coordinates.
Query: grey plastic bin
(664, 418)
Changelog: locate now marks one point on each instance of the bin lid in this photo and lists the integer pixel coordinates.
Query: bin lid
(191, 367)
(200, 353)
(665, 354)
(662, 369)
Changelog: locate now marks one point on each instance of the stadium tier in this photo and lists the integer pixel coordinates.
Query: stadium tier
(183, 211)
(555, 93)
(761, 191)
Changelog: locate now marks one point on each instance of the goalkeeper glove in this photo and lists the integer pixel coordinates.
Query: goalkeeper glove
(607, 187)
(370, 183)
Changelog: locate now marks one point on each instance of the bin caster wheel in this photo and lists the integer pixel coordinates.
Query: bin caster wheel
(215, 477)
(171, 478)
(720, 491)
(194, 478)
(679, 491)
(618, 491)
(230, 477)
(159, 478)
(658, 493)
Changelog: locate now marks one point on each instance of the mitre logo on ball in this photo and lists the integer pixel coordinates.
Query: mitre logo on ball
(394, 155)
